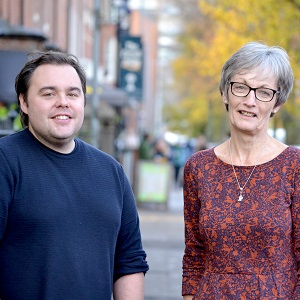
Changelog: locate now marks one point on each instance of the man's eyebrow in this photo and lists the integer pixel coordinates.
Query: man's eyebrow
(75, 88)
(72, 88)
(47, 88)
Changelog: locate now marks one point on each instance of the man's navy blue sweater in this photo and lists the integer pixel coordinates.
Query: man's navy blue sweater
(68, 222)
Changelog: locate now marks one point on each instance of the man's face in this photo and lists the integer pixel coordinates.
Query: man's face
(55, 106)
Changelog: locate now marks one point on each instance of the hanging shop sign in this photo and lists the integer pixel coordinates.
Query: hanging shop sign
(131, 66)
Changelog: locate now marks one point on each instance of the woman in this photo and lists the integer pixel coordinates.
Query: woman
(242, 198)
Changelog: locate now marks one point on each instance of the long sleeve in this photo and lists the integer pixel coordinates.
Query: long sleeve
(130, 257)
(296, 227)
(194, 256)
(6, 192)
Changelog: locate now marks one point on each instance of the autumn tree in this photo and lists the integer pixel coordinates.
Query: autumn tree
(220, 28)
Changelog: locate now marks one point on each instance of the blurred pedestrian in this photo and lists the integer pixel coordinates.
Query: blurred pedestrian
(145, 151)
(162, 151)
(242, 198)
(69, 228)
(200, 143)
(179, 155)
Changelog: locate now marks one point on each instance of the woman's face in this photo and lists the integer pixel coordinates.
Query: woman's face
(247, 114)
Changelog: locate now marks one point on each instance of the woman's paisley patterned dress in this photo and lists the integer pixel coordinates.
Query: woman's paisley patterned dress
(248, 249)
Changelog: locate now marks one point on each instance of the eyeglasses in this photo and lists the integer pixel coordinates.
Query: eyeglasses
(262, 94)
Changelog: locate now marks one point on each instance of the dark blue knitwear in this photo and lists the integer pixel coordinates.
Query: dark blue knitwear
(68, 222)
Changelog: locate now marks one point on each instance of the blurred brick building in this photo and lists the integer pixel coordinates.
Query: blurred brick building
(65, 25)
(69, 25)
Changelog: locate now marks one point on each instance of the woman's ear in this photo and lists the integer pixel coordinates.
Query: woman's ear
(225, 100)
(276, 109)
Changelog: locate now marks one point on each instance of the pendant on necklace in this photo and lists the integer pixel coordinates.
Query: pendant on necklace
(241, 196)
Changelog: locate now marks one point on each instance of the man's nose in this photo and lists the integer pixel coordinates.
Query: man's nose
(62, 101)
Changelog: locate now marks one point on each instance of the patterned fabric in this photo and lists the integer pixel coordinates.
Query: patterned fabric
(242, 250)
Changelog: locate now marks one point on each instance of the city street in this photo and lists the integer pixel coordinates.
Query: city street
(163, 240)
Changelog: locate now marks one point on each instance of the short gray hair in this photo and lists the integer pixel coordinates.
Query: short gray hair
(272, 60)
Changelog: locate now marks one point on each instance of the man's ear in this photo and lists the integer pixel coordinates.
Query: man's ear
(23, 103)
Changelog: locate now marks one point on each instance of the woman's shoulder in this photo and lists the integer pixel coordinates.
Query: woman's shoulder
(291, 153)
(293, 149)
(289, 157)
(202, 156)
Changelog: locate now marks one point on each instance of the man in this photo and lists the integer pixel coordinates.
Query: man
(69, 226)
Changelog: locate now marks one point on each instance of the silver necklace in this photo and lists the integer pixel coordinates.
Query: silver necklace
(240, 187)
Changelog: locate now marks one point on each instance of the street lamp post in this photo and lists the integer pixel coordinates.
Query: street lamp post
(95, 124)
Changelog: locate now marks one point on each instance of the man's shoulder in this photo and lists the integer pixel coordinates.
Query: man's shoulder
(95, 152)
(12, 140)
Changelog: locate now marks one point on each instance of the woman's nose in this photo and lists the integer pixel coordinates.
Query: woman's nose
(250, 99)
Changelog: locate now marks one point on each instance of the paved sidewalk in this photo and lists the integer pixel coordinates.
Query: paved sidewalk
(163, 240)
